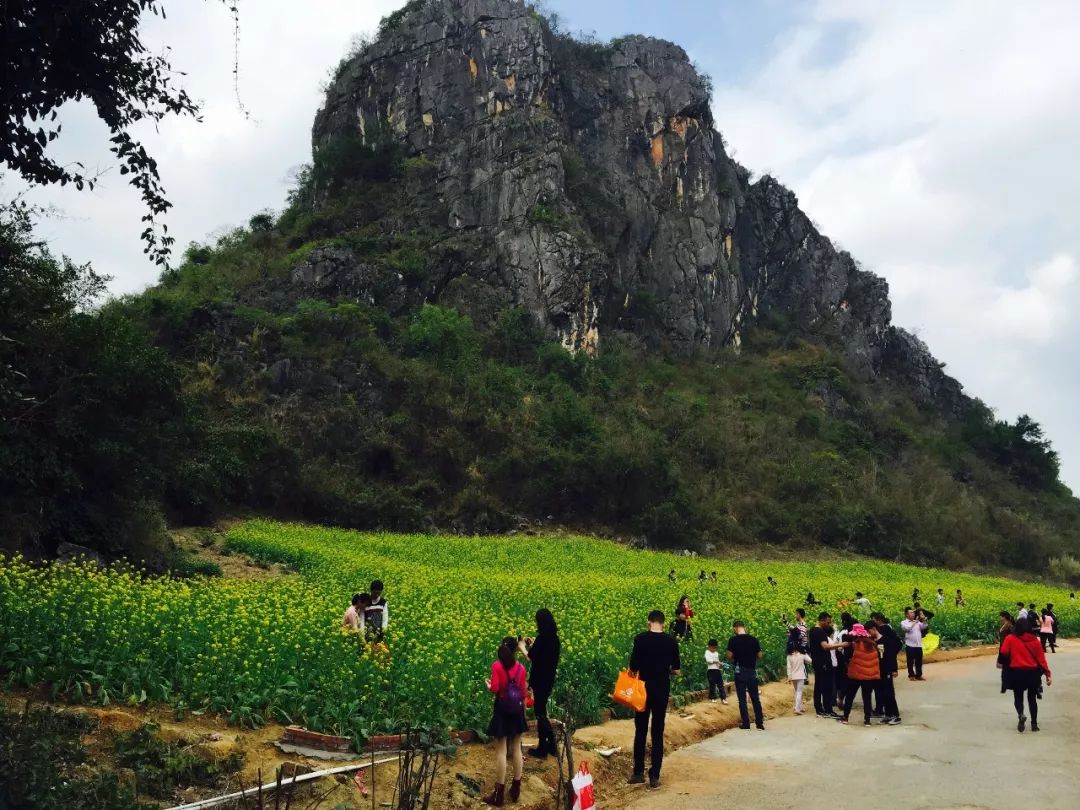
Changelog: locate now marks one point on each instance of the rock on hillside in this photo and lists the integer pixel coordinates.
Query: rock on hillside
(597, 192)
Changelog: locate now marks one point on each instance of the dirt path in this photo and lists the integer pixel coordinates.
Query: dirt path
(708, 768)
(957, 748)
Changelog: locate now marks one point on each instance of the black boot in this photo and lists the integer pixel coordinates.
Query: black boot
(497, 797)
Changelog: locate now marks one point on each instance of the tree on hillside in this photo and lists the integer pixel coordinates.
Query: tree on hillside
(91, 414)
(1021, 448)
(55, 51)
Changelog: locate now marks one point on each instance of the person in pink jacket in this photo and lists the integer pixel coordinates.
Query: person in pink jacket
(507, 683)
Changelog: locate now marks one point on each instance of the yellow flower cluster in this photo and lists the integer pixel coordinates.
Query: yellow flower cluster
(260, 650)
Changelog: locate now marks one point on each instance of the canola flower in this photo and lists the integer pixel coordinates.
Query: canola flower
(274, 650)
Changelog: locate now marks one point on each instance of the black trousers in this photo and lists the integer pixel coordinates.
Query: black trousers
(1048, 638)
(1032, 699)
(886, 697)
(656, 704)
(824, 690)
(840, 683)
(914, 661)
(716, 684)
(543, 724)
(867, 688)
(746, 684)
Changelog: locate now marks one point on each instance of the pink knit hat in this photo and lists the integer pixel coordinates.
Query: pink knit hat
(858, 631)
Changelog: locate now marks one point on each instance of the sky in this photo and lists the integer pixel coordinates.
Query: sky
(937, 141)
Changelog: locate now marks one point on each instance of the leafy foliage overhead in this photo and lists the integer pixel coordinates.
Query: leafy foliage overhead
(56, 51)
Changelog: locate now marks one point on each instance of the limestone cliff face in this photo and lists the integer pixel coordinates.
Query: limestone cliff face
(595, 190)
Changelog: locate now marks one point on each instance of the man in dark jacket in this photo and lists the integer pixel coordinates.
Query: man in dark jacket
(822, 655)
(655, 659)
(891, 645)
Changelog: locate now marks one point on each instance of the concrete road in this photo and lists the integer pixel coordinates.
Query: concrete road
(958, 747)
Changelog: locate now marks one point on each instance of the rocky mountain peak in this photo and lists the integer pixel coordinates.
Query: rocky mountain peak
(588, 184)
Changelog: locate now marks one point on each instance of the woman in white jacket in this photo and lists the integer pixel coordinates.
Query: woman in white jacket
(797, 660)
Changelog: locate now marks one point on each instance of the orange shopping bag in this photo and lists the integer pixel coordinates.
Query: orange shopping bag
(629, 691)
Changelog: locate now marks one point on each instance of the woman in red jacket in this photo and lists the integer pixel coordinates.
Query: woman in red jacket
(1027, 663)
(507, 683)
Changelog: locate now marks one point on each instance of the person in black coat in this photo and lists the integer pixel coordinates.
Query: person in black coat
(543, 652)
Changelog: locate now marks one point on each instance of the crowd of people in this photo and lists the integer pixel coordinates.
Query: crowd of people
(855, 659)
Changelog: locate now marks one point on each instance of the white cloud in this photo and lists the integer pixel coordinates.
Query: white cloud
(937, 142)
(220, 171)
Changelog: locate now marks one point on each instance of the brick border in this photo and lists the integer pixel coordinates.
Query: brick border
(313, 739)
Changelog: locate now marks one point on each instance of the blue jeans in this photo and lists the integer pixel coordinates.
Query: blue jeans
(746, 682)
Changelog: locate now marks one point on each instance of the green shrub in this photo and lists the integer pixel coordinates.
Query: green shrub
(40, 757)
(162, 767)
(185, 566)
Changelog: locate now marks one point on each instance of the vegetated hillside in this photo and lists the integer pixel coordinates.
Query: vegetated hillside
(522, 280)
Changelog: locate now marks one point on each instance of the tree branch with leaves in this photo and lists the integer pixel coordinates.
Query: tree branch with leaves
(56, 51)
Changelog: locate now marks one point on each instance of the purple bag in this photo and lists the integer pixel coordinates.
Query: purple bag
(511, 700)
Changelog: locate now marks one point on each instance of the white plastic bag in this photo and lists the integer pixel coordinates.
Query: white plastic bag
(584, 798)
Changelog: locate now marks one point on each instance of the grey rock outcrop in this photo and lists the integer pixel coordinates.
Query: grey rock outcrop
(594, 187)
(909, 359)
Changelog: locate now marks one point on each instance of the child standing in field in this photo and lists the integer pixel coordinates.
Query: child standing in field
(797, 659)
(714, 673)
(507, 683)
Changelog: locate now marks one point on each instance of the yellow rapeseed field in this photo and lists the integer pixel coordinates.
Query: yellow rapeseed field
(259, 650)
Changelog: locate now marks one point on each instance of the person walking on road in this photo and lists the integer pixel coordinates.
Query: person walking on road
(1005, 629)
(797, 659)
(915, 626)
(1027, 664)
(823, 656)
(543, 653)
(890, 648)
(1048, 629)
(507, 683)
(745, 651)
(655, 659)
